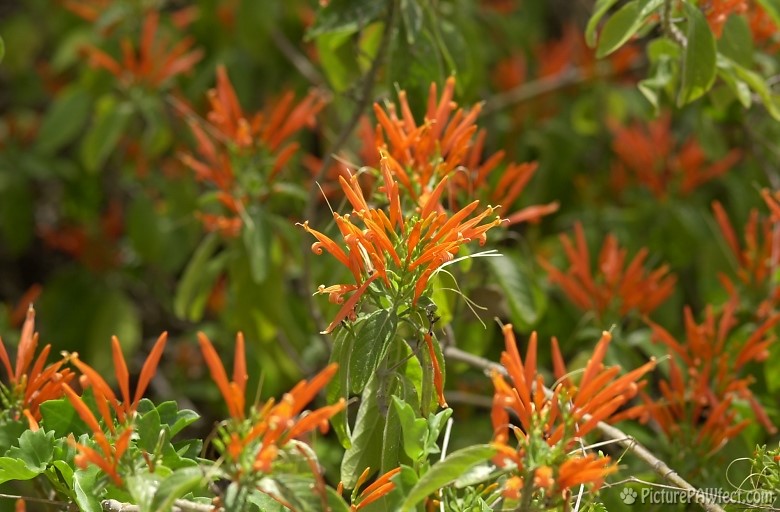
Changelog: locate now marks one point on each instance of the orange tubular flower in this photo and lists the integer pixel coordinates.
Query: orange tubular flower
(550, 415)
(404, 251)
(647, 152)
(615, 285)
(126, 409)
(447, 144)
(153, 64)
(753, 262)
(706, 375)
(232, 140)
(30, 386)
(381, 487)
(255, 444)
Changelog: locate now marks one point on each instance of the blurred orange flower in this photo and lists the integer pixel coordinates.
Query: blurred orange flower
(617, 285)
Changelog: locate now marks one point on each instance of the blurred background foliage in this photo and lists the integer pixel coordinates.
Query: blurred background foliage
(104, 227)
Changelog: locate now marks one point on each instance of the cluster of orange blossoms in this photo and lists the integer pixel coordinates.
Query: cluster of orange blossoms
(753, 262)
(269, 427)
(447, 144)
(647, 151)
(114, 445)
(404, 251)
(154, 63)
(30, 386)
(706, 376)
(560, 417)
(230, 133)
(615, 285)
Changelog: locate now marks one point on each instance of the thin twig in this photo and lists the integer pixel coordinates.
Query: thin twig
(669, 28)
(297, 59)
(364, 100)
(178, 506)
(621, 438)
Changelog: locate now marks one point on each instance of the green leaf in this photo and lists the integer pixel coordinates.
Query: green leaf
(198, 279)
(392, 442)
(147, 427)
(447, 471)
(599, 10)
(526, 300)
(256, 235)
(176, 419)
(757, 83)
(64, 120)
(175, 486)
(85, 486)
(366, 440)
(338, 59)
(109, 125)
(346, 16)
(142, 486)
(373, 334)
(699, 58)
(624, 24)
(736, 41)
(2, 49)
(60, 417)
(619, 29)
(338, 386)
(415, 430)
(35, 449)
(412, 17)
(15, 469)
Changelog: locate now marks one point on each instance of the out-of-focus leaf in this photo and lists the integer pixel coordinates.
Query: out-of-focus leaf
(599, 10)
(142, 486)
(624, 24)
(111, 119)
(2, 49)
(526, 300)
(198, 279)
(447, 471)
(736, 41)
(338, 59)
(338, 387)
(17, 224)
(757, 83)
(64, 120)
(699, 58)
(346, 16)
(256, 233)
(412, 16)
(772, 7)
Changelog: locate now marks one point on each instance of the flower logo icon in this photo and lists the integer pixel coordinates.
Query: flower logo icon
(628, 495)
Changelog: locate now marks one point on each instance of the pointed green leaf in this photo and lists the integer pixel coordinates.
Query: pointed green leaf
(699, 58)
(108, 126)
(599, 10)
(524, 296)
(372, 337)
(415, 430)
(176, 485)
(366, 440)
(64, 120)
(256, 234)
(198, 279)
(15, 469)
(447, 471)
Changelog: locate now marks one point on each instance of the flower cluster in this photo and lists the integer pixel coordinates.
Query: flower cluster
(648, 155)
(154, 63)
(29, 386)
(754, 261)
(252, 441)
(616, 285)
(230, 145)
(706, 375)
(552, 422)
(402, 251)
(113, 437)
(448, 144)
